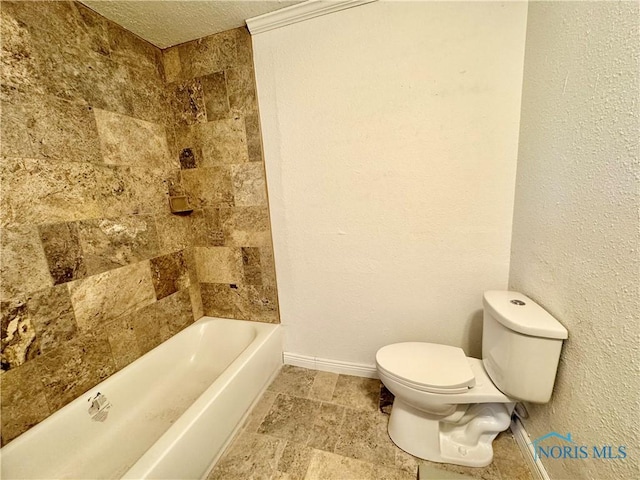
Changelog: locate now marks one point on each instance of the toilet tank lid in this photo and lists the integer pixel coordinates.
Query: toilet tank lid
(521, 314)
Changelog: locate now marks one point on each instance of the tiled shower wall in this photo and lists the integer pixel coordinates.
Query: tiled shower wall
(218, 143)
(98, 129)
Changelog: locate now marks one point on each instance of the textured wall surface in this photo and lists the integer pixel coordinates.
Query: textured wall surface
(576, 233)
(390, 135)
(95, 270)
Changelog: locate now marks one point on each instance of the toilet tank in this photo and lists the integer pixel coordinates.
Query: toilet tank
(521, 345)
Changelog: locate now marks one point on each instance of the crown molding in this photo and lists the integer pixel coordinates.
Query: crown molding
(299, 13)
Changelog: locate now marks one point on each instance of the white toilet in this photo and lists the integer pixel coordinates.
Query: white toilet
(448, 407)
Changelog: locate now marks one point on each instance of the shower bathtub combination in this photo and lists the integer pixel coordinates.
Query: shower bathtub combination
(169, 414)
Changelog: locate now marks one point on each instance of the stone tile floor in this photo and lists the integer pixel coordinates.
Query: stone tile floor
(315, 425)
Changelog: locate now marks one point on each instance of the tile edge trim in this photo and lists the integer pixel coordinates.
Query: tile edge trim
(299, 13)
(327, 365)
(526, 448)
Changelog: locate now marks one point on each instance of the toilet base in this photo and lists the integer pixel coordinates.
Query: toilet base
(464, 440)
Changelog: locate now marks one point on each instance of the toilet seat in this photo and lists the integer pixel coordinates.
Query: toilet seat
(428, 367)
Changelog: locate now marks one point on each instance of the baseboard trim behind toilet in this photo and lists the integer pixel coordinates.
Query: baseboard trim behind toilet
(326, 365)
(524, 443)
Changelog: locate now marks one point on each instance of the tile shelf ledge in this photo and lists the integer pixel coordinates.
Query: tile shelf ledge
(179, 205)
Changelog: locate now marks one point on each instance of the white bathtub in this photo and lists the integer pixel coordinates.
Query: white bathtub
(172, 411)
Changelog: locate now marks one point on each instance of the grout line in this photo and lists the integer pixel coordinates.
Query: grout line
(332, 401)
(338, 429)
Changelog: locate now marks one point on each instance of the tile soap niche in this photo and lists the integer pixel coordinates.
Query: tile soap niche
(180, 205)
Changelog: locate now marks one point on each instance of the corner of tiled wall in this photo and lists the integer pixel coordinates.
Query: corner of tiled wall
(217, 140)
(98, 128)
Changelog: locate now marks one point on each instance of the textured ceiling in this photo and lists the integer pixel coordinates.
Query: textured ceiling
(170, 22)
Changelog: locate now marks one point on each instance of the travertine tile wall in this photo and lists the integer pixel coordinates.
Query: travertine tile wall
(217, 140)
(95, 270)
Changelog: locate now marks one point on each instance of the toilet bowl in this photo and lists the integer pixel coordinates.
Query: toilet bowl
(434, 422)
(448, 407)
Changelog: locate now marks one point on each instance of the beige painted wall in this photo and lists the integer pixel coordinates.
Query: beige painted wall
(390, 136)
(575, 229)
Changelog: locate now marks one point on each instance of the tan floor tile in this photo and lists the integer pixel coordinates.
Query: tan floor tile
(259, 411)
(508, 459)
(282, 476)
(290, 418)
(294, 381)
(326, 428)
(357, 392)
(294, 436)
(328, 466)
(489, 472)
(323, 386)
(427, 472)
(390, 473)
(294, 461)
(251, 456)
(364, 436)
(406, 461)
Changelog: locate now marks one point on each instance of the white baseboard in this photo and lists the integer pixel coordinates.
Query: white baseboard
(326, 365)
(524, 442)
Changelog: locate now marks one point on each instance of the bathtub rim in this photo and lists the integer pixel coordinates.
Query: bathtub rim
(153, 455)
(263, 331)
